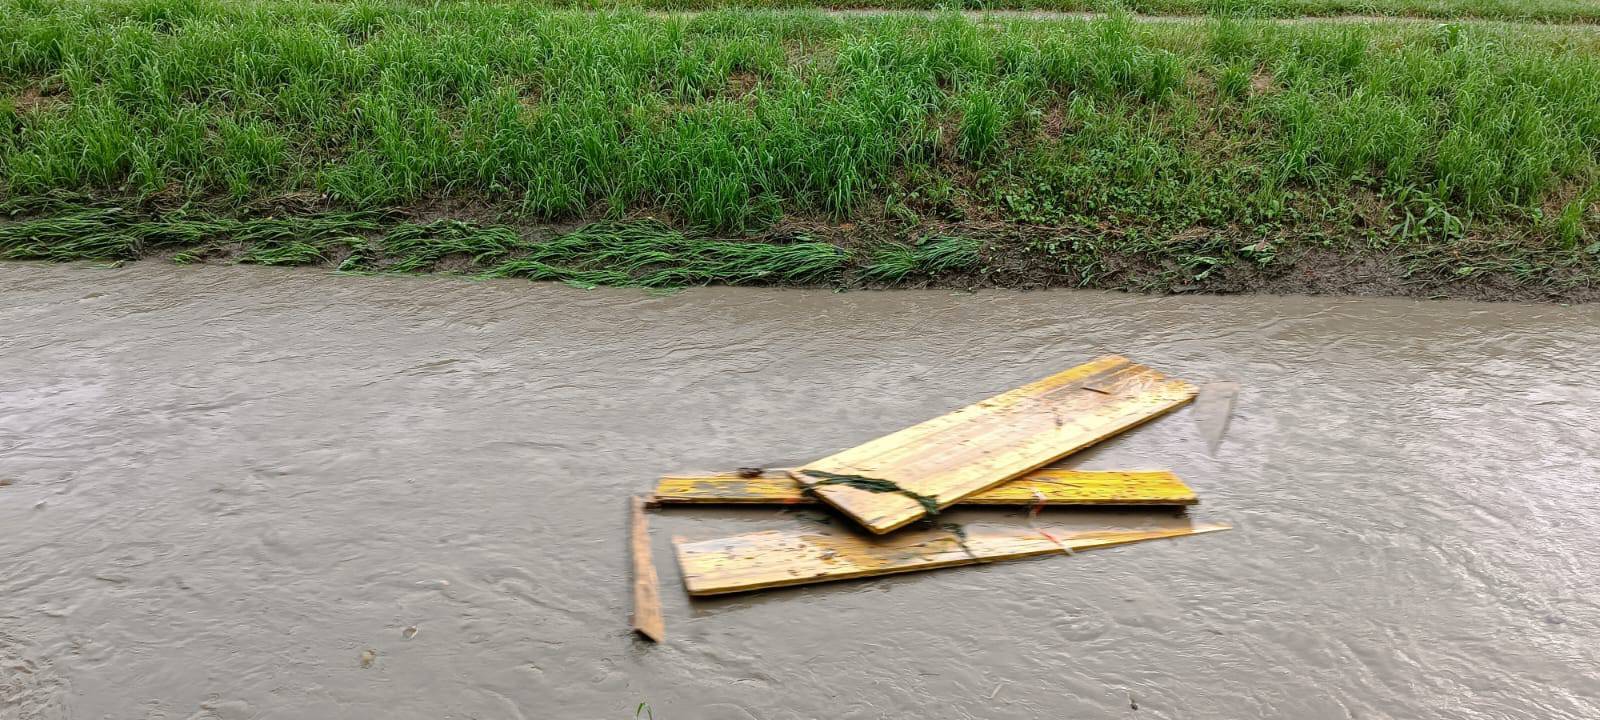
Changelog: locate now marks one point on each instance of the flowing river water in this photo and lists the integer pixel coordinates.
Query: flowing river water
(230, 492)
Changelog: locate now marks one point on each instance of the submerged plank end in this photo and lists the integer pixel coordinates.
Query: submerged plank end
(647, 620)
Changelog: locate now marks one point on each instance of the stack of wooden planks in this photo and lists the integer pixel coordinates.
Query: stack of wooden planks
(988, 453)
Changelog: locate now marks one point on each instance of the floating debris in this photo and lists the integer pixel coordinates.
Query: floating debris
(989, 453)
(983, 445)
(1040, 487)
(780, 558)
(647, 619)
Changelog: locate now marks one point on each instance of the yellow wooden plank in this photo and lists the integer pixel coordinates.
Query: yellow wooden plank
(780, 558)
(1041, 487)
(985, 444)
(647, 618)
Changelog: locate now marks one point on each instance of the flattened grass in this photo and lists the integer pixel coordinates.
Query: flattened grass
(642, 253)
(933, 258)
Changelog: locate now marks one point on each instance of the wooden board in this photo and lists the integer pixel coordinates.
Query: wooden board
(647, 618)
(781, 558)
(1040, 487)
(983, 445)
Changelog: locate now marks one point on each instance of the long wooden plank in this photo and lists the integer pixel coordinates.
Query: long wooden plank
(1041, 487)
(757, 561)
(983, 445)
(647, 618)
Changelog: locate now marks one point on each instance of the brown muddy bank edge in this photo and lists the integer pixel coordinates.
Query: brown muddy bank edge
(642, 251)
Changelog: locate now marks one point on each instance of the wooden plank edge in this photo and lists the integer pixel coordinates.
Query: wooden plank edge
(660, 499)
(882, 528)
(1092, 540)
(864, 573)
(647, 619)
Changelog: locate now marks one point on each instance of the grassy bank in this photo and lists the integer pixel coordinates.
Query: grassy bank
(1223, 154)
(1544, 11)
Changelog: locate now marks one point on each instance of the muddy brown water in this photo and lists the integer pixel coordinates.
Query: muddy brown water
(230, 489)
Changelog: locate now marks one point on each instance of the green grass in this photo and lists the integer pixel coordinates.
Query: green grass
(1551, 11)
(933, 258)
(649, 254)
(100, 234)
(1200, 148)
(633, 254)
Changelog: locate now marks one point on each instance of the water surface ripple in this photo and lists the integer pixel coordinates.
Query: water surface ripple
(230, 487)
